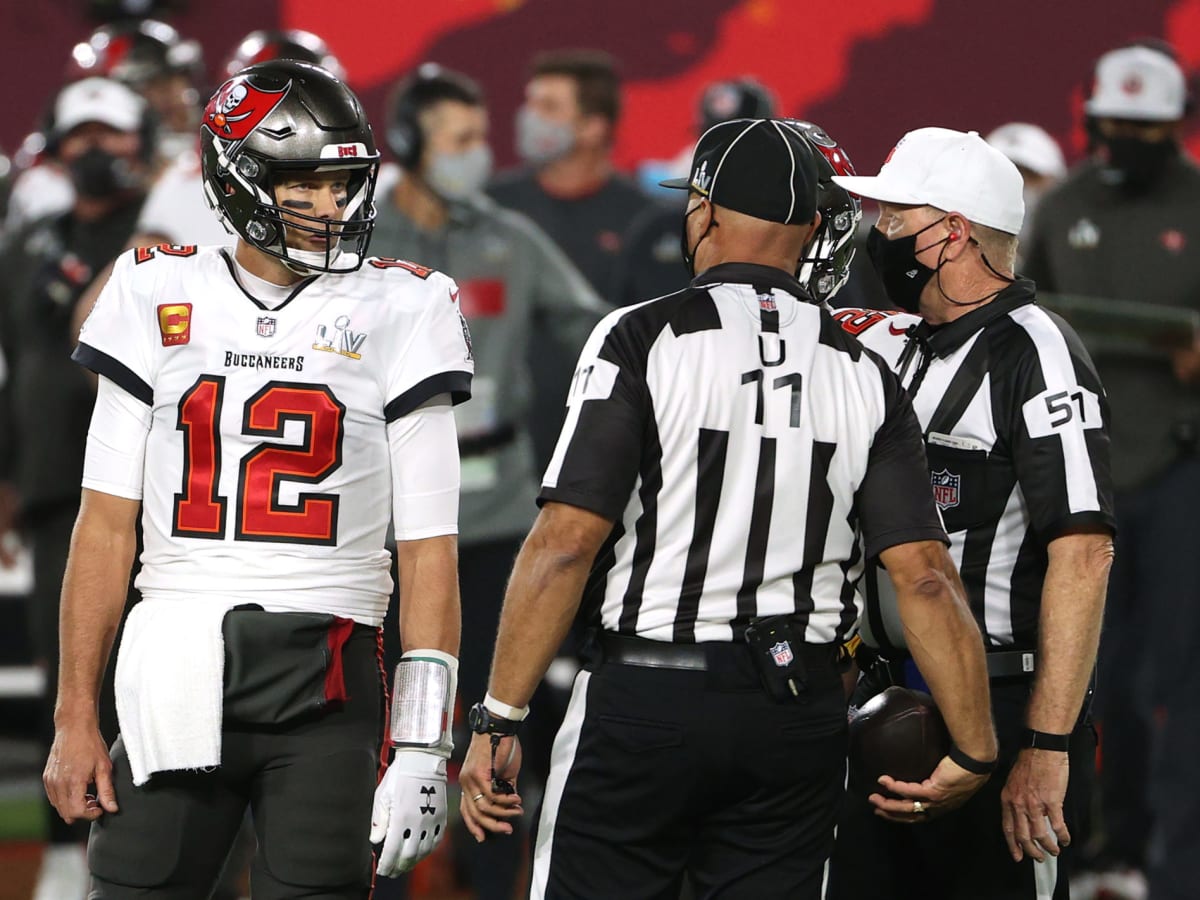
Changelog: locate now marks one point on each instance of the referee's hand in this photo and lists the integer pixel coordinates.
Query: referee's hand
(949, 787)
(484, 810)
(1031, 804)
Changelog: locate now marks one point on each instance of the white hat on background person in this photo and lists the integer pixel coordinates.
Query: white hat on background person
(98, 100)
(1030, 147)
(1138, 83)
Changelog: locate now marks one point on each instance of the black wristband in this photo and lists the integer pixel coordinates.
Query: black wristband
(481, 720)
(972, 765)
(1041, 740)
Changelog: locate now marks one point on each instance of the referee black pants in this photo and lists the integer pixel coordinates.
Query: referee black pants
(660, 773)
(309, 787)
(961, 855)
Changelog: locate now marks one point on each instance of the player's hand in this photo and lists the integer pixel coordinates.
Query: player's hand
(483, 809)
(78, 758)
(409, 813)
(949, 787)
(1032, 799)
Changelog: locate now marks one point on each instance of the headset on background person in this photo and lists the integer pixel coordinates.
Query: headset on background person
(412, 95)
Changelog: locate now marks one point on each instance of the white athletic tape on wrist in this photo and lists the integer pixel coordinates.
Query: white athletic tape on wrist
(503, 710)
(423, 701)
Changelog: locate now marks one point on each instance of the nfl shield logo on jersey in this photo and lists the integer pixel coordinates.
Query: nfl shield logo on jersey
(945, 488)
(782, 654)
(266, 327)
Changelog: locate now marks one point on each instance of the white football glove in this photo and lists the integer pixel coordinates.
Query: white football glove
(409, 813)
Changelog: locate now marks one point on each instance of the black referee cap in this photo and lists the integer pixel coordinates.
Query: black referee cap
(760, 167)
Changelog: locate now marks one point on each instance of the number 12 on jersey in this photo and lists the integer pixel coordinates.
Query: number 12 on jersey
(200, 511)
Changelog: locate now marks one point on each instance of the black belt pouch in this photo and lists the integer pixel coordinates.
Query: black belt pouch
(281, 667)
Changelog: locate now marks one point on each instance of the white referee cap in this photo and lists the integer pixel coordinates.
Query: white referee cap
(1030, 147)
(98, 100)
(1138, 83)
(955, 171)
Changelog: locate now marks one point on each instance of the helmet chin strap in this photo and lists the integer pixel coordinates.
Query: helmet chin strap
(310, 262)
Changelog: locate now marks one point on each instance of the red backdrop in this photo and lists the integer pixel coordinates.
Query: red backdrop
(867, 70)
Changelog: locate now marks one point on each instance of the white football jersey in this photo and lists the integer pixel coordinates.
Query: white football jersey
(868, 325)
(269, 427)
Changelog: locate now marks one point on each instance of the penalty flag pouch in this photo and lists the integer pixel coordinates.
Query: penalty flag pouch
(777, 655)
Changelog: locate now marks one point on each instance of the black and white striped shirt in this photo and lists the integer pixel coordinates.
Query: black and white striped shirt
(1016, 434)
(745, 448)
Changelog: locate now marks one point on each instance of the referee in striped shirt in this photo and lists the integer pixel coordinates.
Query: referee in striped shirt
(1016, 431)
(726, 452)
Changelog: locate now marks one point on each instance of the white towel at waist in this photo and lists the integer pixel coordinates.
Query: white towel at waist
(169, 685)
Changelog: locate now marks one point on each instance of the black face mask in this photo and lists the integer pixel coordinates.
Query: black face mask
(689, 254)
(98, 174)
(1135, 164)
(896, 262)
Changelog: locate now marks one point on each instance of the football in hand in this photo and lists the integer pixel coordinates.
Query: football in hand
(898, 733)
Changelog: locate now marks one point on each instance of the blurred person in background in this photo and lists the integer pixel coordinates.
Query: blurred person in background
(1039, 159)
(153, 59)
(1124, 226)
(150, 58)
(571, 190)
(102, 134)
(514, 284)
(736, 98)
(263, 45)
(39, 186)
(651, 261)
(569, 186)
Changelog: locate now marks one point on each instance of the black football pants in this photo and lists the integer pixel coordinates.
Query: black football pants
(309, 788)
(660, 773)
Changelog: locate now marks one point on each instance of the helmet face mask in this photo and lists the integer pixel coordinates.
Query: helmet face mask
(283, 117)
(825, 266)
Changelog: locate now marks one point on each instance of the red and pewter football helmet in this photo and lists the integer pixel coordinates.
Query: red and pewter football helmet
(825, 267)
(135, 53)
(282, 116)
(267, 44)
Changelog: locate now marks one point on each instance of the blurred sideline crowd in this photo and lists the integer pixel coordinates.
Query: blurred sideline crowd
(540, 254)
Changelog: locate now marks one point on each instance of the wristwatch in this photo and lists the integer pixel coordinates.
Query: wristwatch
(483, 721)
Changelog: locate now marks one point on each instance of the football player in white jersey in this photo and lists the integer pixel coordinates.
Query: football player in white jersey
(268, 410)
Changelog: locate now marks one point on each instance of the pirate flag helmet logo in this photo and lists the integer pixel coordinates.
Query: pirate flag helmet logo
(239, 107)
